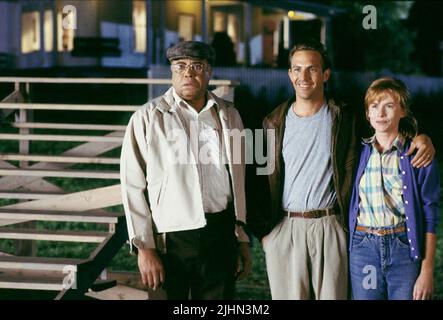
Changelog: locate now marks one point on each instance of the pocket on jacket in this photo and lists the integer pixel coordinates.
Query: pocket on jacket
(156, 192)
(161, 194)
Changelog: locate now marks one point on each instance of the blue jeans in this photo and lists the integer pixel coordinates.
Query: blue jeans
(381, 268)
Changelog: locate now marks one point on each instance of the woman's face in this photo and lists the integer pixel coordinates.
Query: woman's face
(384, 113)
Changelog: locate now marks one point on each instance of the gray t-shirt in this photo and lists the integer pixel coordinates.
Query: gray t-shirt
(308, 182)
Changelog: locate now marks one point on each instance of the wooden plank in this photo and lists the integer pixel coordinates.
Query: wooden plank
(31, 282)
(40, 185)
(73, 107)
(27, 195)
(53, 235)
(62, 159)
(67, 216)
(55, 137)
(39, 263)
(78, 201)
(61, 173)
(15, 96)
(84, 150)
(105, 80)
(119, 292)
(25, 183)
(70, 126)
(34, 279)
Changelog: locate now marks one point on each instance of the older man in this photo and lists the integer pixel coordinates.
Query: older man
(182, 191)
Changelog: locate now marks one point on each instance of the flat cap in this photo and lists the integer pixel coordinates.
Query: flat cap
(191, 49)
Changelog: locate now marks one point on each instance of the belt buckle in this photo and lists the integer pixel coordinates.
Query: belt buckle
(307, 212)
(314, 214)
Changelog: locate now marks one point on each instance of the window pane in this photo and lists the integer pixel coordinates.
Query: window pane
(233, 28)
(219, 22)
(49, 31)
(139, 23)
(186, 27)
(30, 32)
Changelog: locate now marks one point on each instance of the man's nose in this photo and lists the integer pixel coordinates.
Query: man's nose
(189, 71)
(304, 75)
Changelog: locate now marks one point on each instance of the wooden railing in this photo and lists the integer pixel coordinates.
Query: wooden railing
(28, 195)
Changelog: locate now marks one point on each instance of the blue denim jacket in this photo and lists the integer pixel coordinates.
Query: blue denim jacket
(421, 196)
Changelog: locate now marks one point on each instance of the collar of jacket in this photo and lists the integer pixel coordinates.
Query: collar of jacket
(167, 104)
(277, 117)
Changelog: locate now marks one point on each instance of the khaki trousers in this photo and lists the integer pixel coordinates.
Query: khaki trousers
(307, 259)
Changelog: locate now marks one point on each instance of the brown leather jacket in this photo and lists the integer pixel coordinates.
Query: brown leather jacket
(267, 212)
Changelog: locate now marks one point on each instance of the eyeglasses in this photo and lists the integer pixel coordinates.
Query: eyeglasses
(180, 68)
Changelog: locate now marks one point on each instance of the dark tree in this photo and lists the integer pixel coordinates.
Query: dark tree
(425, 19)
(224, 50)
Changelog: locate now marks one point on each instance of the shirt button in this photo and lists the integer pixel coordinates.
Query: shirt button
(412, 248)
(404, 187)
(401, 157)
(409, 229)
(407, 218)
(406, 202)
(416, 257)
(410, 240)
(403, 172)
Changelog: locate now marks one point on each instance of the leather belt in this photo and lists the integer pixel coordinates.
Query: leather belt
(311, 214)
(381, 232)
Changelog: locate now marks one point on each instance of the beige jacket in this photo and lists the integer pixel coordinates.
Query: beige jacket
(160, 195)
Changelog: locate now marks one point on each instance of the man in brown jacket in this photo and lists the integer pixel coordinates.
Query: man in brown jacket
(303, 232)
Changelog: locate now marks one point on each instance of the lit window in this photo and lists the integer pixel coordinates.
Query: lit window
(30, 32)
(49, 31)
(233, 28)
(65, 36)
(219, 22)
(139, 22)
(185, 27)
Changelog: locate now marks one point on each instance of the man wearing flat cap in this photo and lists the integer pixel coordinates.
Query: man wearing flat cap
(183, 186)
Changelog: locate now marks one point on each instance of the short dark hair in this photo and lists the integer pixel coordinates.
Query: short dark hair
(312, 45)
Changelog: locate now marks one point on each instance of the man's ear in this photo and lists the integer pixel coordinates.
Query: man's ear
(209, 71)
(326, 75)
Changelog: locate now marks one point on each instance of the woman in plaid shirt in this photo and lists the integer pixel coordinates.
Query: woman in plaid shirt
(394, 206)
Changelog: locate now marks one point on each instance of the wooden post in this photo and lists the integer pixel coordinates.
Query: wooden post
(25, 247)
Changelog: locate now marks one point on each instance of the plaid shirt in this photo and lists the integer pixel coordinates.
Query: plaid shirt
(381, 188)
